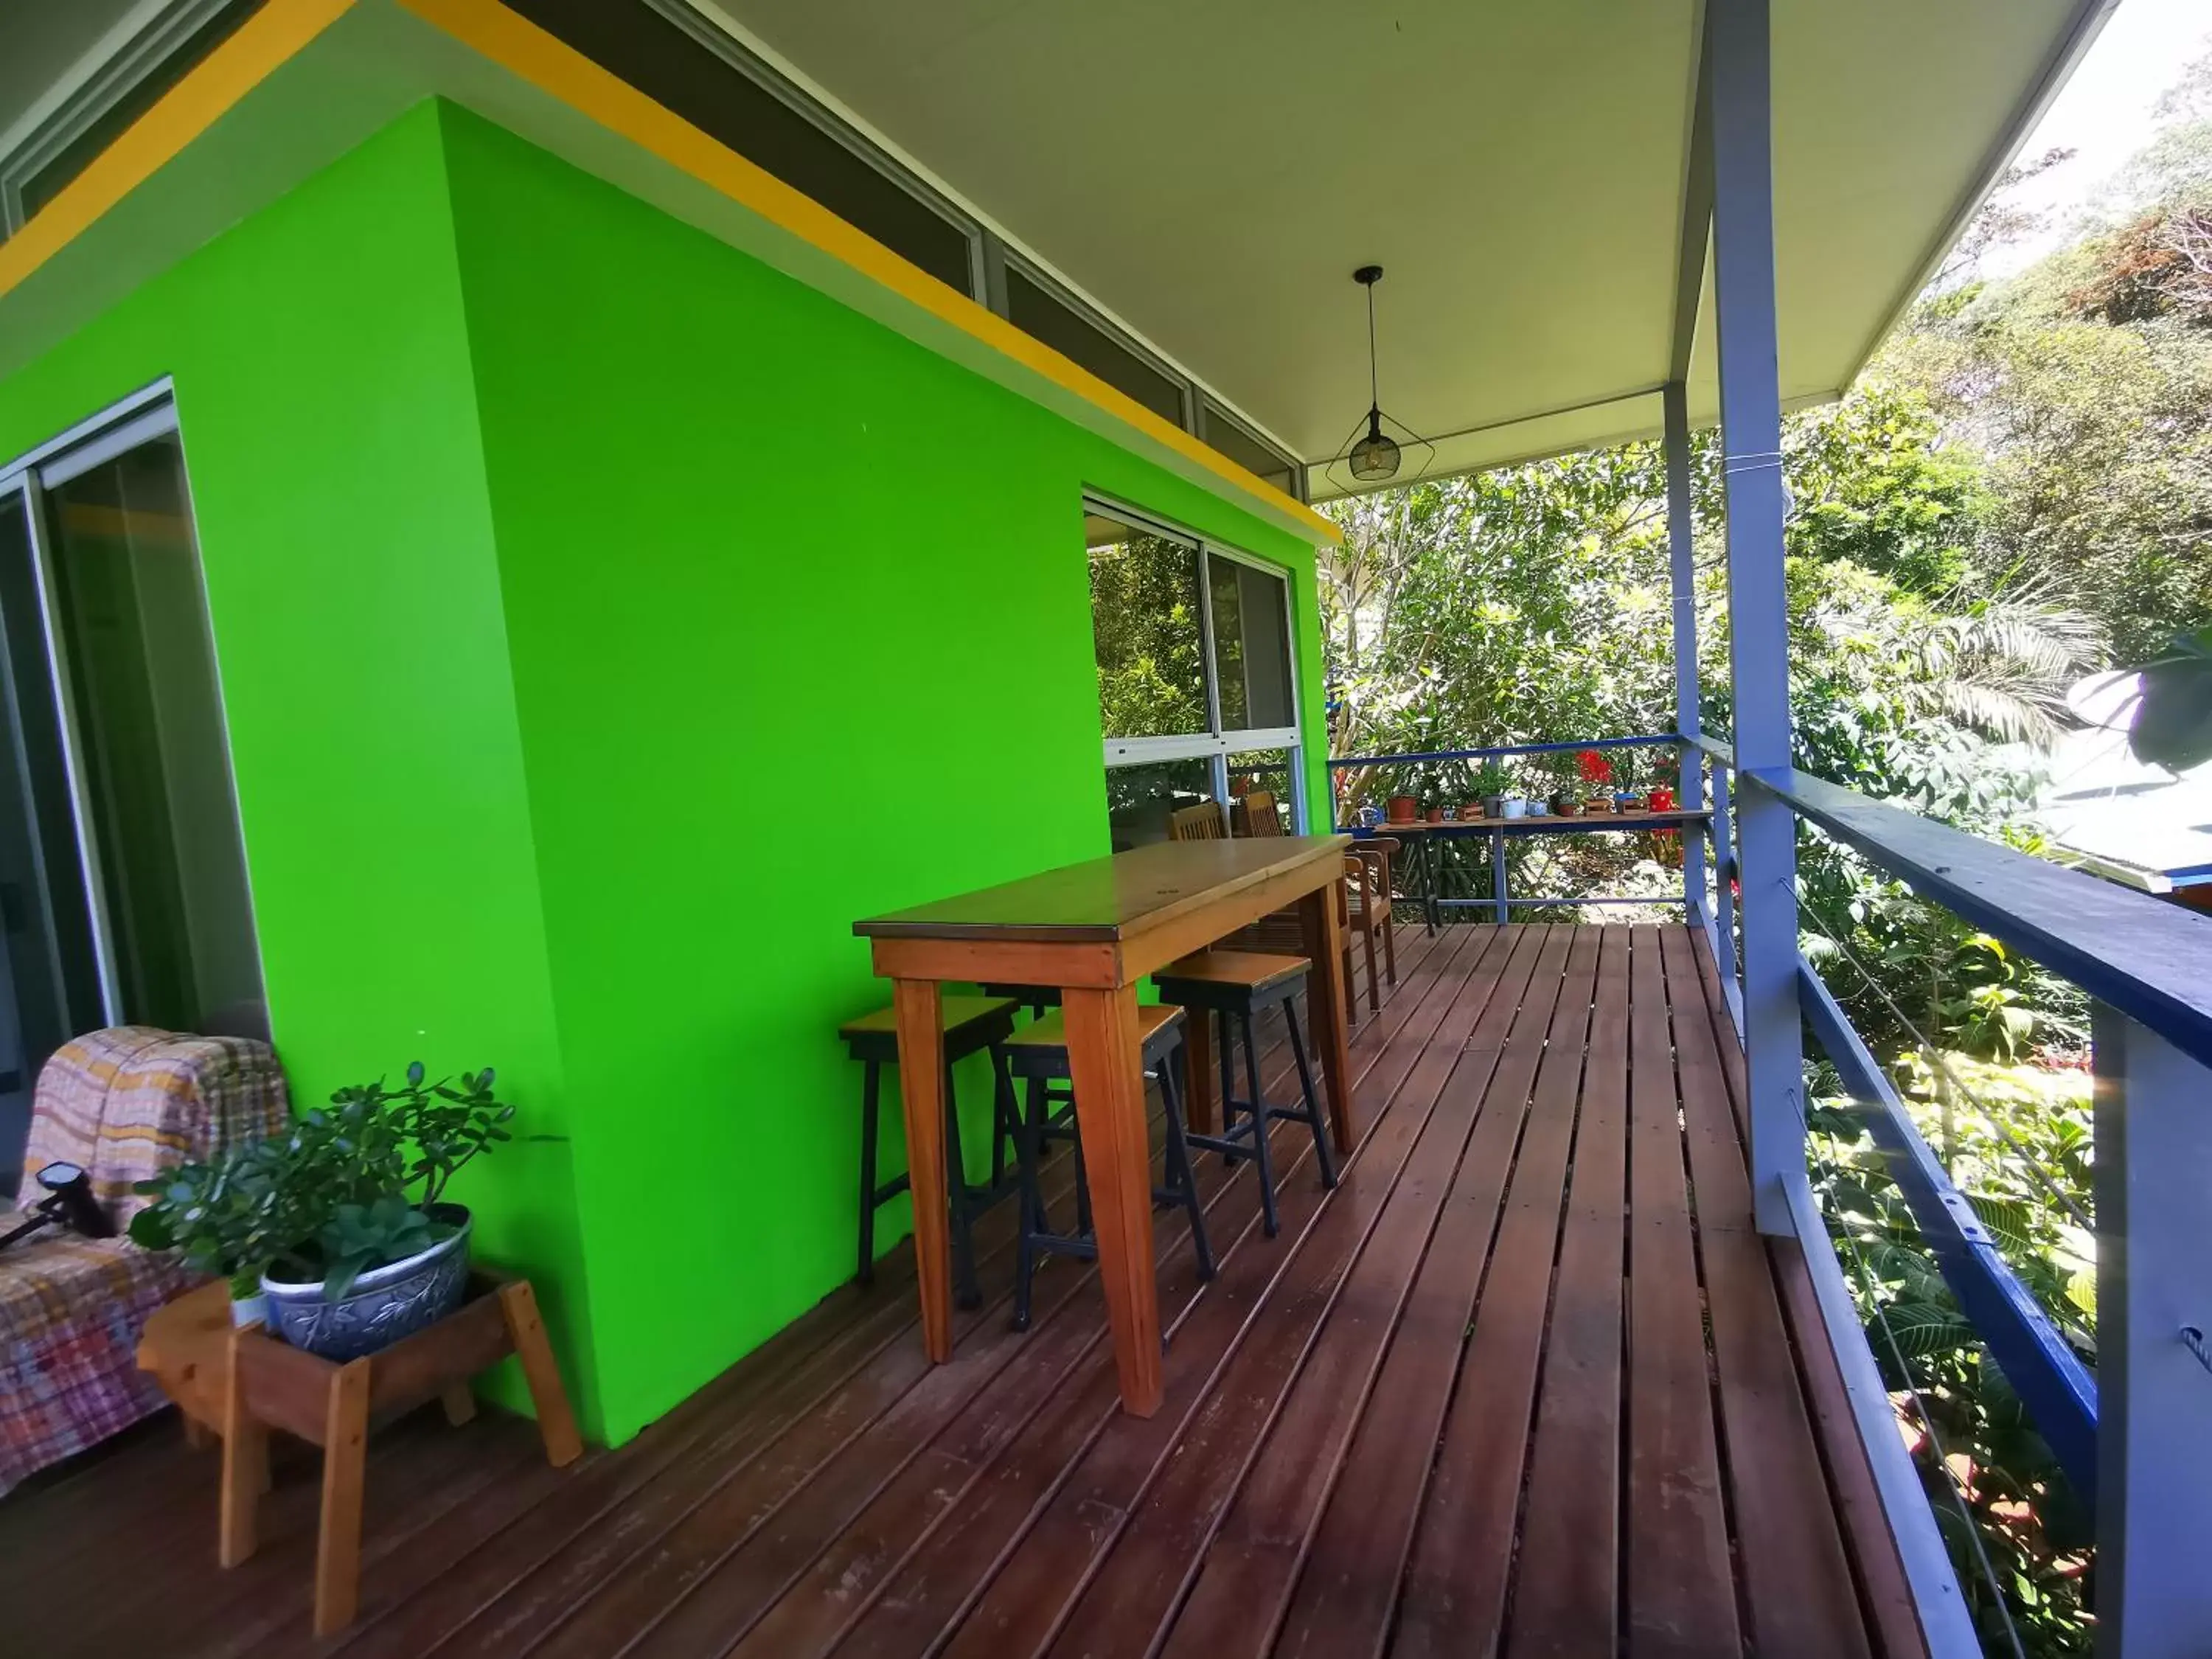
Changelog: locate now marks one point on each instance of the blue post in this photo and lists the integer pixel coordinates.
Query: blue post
(1738, 65)
(1682, 561)
(2153, 1175)
(1723, 873)
(1497, 896)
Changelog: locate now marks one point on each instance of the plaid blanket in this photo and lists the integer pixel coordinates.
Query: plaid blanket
(123, 1104)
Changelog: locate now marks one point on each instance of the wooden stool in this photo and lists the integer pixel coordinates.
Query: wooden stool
(1038, 1054)
(1238, 986)
(261, 1383)
(971, 1026)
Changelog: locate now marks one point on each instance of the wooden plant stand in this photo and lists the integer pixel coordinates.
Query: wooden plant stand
(253, 1383)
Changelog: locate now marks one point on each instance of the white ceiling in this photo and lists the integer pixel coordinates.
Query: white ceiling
(1210, 172)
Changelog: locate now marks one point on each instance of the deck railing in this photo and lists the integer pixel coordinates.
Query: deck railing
(2134, 1436)
(1426, 767)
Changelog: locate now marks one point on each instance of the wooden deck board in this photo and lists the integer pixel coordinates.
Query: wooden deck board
(1467, 1403)
(1566, 1602)
(1681, 1593)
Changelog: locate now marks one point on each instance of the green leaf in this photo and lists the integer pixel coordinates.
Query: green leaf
(1920, 1330)
(2007, 1220)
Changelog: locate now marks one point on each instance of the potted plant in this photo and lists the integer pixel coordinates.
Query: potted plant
(340, 1222)
(1402, 808)
(1489, 789)
(1566, 799)
(1663, 794)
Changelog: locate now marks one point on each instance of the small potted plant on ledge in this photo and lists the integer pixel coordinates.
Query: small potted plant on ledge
(340, 1222)
(1489, 789)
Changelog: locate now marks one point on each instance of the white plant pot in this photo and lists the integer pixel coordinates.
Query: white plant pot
(1513, 806)
(249, 1311)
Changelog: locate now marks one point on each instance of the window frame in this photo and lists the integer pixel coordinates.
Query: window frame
(1215, 744)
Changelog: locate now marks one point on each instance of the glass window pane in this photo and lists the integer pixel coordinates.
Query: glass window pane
(149, 735)
(1241, 447)
(1144, 620)
(678, 71)
(1251, 647)
(1139, 799)
(1261, 771)
(1042, 317)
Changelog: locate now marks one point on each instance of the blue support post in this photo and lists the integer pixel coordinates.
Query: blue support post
(1503, 911)
(1738, 67)
(2153, 1169)
(1683, 565)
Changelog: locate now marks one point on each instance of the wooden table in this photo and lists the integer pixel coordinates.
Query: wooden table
(1420, 835)
(1093, 930)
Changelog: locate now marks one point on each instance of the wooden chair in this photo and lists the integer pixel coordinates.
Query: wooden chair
(1260, 814)
(1380, 854)
(1205, 821)
(1361, 908)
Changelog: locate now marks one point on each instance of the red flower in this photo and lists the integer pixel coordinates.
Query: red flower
(1594, 767)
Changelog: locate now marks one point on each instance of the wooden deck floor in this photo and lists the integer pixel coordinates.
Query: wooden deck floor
(1524, 1383)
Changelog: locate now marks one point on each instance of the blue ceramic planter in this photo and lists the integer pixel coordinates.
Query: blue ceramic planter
(386, 1304)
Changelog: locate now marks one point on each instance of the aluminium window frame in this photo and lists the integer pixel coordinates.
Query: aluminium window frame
(144, 417)
(1215, 744)
(151, 33)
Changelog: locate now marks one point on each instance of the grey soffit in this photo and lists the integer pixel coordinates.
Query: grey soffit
(1211, 175)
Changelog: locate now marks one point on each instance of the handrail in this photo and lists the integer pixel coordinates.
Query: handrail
(1507, 749)
(2060, 1393)
(2150, 960)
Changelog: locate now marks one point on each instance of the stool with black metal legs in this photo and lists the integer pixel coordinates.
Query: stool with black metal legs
(1037, 1055)
(1236, 987)
(1059, 1092)
(972, 1025)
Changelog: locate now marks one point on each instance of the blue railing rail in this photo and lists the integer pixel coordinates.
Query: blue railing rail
(2144, 957)
(2058, 1388)
(2149, 964)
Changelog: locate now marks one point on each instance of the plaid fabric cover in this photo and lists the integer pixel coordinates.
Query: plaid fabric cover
(123, 1104)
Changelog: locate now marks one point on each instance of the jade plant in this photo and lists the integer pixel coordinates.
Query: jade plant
(345, 1189)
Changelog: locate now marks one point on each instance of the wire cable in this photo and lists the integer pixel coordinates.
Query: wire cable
(1952, 1481)
(2048, 1181)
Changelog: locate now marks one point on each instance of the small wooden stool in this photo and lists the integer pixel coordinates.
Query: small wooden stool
(243, 1382)
(972, 1025)
(1235, 986)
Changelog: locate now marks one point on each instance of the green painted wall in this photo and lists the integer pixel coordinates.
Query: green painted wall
(606, 621)
(801, 630)
(331, 435)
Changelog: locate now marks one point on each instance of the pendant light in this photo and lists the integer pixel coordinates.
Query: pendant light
(1373, 456)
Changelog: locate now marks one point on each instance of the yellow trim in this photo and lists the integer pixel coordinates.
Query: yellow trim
(265, 42)
(522, 49)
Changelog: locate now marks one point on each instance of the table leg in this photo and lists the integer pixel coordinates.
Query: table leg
(921, 1094)
(345, 1450)
(1504, 911)
(1102, 1054)
(1198, 1071)
(1326, 1011)
(1431, 876)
